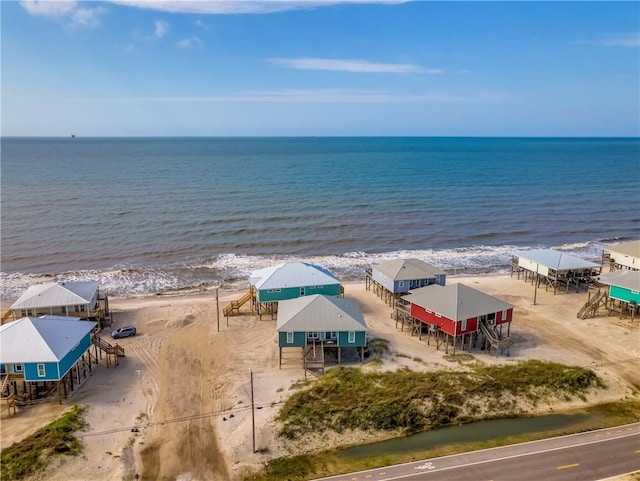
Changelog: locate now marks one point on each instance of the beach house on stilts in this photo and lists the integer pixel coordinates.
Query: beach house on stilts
(456, 314)
(44, 356)
(617, 291)
(71, 298)
(291, 280)
(316, 326)
(556, 269)
(394, 278)
(622, 256)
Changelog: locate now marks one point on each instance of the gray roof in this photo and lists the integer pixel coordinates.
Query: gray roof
(626, 248)
(41, 339)
(456, 301)
(55, 294)
(625, 278)
(320, 313)
(558, 260)
(292, 274)
(407, 269)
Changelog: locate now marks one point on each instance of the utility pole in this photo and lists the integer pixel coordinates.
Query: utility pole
(217, 310)
(535, 290)
(253, 417)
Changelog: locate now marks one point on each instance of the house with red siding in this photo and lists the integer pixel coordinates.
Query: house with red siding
(459, 313)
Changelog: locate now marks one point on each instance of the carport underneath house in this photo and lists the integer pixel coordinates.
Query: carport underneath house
(555, 268)
(317, 324)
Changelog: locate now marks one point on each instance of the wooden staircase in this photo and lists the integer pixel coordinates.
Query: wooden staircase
(234, 306)
(113, 353)
(6, 316)
(590, 308)
(5, 383)
(314, 358)
(493, 340)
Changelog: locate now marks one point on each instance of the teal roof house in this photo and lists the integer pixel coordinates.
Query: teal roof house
(46, 348)
(291, 280)
(624, 287)
(317, 322)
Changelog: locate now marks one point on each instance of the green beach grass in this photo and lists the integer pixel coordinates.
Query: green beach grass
(33, 453)
(406, 402)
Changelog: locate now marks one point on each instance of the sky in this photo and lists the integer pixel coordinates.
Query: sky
(320, 68)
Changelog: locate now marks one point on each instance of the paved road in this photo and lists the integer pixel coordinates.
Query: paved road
(578, 457)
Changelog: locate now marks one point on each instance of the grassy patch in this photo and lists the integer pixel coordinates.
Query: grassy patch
(460, 358)
(350, 398)
(376, 347)
(32, 453)
(327, 463)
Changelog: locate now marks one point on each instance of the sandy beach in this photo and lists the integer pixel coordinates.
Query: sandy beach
(179, 404)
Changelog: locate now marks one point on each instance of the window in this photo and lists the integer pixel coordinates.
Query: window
(352, 337)
(438, 315)
(277, 290)
(269, 290)
(41, 370)
(314, 335)
(333, 335)
(80, 308)
(23, 313)
(505, 315)
(289, 337)
(463, 325)
(302, 291)
(18, 368)
(64, 309)
(401, 284)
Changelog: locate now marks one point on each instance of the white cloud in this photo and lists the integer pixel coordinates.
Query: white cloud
(201, 24)
(49, 8)
(615, 40)
(86, 17)
(162, 28)
(191, 42)
(70, 13)
(624, 40)
(224, 7)
(350, 65)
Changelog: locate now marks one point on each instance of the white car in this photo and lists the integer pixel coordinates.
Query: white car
(126, 331)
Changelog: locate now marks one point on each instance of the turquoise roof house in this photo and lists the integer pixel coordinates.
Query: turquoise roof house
(624, 285)
(291, 280)
(317, 322)
(44, 348)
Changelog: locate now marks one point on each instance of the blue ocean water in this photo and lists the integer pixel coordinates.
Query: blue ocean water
(147, 215)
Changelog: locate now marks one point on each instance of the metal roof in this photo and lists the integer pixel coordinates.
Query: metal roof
(41, 339)
(631, 249)
(55, 294)
(456, 301)
(560, 261)
(292, 274)
(407, 269)
(320, 313)
(626, 279)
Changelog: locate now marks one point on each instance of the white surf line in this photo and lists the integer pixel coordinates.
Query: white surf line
(583, 434)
